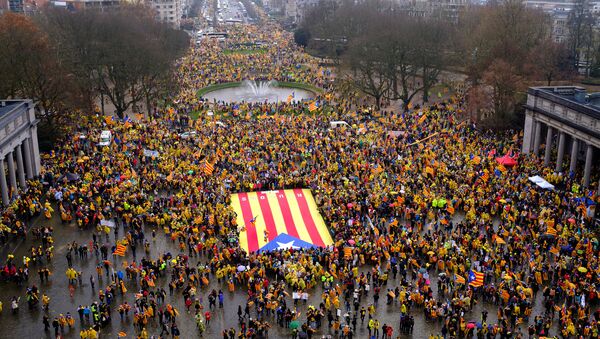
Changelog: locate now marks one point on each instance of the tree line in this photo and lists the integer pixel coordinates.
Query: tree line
(67, 61)
(388, 53)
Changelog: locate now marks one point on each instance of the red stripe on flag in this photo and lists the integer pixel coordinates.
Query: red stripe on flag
(287, 215)
(250, 229)
(265, 208)
(307, 217)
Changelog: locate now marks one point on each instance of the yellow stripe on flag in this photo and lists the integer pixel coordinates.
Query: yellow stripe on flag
(260, 220)
(237, 208)
(208, 168)
(276, 211)
(297, 216)
(318, 218)
(120, 250)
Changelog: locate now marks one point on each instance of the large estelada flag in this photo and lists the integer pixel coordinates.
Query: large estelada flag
(476, 278)
(265, 215)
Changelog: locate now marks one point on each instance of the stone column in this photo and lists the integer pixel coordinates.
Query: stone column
(28, 159)
(11, 173)
(548, 146)
(3, 185)
(561, 151)
(588, 165)
(574, 149)
(528, 132)
(20, 169)
(37, 162)
(536, 139)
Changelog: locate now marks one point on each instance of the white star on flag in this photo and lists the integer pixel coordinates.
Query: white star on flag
(286, 245)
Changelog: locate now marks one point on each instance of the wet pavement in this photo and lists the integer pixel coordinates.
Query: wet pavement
(27, 323)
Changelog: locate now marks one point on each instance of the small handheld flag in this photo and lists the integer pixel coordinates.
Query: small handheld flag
(476, 279)
(208, 168)
(120, 250)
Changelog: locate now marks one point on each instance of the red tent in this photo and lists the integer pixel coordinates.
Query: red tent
(506, 161)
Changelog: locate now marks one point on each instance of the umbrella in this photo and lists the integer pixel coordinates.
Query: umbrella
(582, 269)
(430, 253)
(351, 242)
(571, 221)
(294, 325)
(241, 268)
(471, 326)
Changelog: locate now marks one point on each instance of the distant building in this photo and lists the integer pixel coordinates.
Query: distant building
(19, 152)
(16, 6)
(444, 9)
(80, 5)
(560, 27)
(169, 11)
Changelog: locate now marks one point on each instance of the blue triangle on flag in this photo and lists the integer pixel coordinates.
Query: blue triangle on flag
(285, 241)
(471, 276)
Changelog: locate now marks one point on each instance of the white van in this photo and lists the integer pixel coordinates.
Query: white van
(336, 124)
(105, 138)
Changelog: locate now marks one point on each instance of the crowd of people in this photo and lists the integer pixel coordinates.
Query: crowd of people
(422, 215)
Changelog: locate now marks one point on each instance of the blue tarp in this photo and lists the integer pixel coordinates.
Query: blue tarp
(286, 241)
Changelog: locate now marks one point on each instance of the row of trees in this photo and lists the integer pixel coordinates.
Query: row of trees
(65, 60)
(396, 59)
(387, 53)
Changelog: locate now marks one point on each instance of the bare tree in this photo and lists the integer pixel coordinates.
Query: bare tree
(504, 82)
(369, 71)
(581, 32)
(124, 55)
(550, 61)
(430, 53)
(30, 69)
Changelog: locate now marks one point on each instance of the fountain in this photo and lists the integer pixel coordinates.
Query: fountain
(260, 88)
(257, 91)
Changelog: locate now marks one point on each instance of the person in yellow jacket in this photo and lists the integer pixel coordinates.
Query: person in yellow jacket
(45, 302)
(48, 210)
(143, 334)
(92, 333)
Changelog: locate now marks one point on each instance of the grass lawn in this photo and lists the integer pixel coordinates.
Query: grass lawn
(215, 87)
(300, 85)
